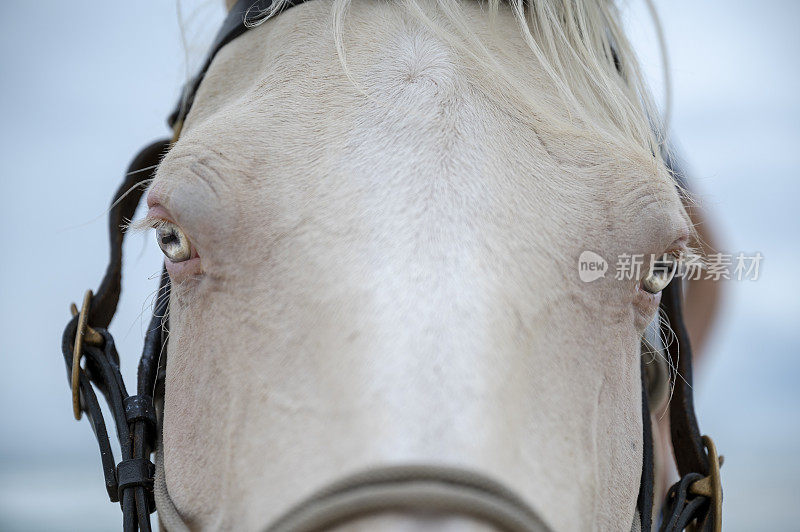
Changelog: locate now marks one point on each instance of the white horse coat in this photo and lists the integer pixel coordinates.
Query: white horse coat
(387, 268)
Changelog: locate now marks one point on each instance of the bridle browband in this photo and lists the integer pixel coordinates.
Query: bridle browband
(695, 499)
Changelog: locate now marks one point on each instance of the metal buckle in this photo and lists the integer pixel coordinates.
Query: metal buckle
(91, 337)
(711, 486)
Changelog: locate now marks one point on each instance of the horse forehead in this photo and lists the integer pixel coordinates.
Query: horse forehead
(291, 61)
(291, 92)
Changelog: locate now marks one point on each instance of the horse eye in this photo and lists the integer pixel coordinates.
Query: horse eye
(173, 242)
(661, 273)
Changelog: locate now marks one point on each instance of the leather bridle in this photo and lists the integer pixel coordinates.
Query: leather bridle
(695, 499)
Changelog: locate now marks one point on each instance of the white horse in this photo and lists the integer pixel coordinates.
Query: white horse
(377, 211)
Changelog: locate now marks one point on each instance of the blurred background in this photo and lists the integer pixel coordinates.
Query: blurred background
(83, 85)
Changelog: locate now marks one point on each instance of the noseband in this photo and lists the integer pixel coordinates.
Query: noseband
(695, 499)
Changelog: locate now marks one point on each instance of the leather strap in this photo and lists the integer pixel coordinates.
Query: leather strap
(690, 456)
(233, 26)
(682, 507)
(425, 488)
(129, 482)
(126, 199)
(644, 502)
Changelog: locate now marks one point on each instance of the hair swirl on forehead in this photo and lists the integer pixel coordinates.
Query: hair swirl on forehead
(579, 44)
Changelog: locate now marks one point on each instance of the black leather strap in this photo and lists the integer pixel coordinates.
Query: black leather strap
(690, 456)
(644, 501)
(140, 408)
(130, 481)
(681, 507)
(126, 199)
(135, 472)
(233, 26)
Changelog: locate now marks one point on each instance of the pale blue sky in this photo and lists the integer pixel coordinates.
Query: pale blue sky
(84, 84)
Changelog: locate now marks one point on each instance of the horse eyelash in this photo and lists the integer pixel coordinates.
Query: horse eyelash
(145, 224)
